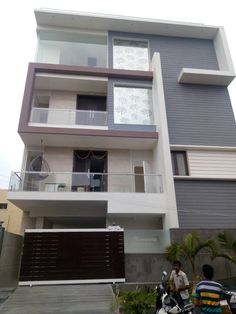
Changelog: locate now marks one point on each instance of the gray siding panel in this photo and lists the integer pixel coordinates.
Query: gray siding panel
(196, 114)
(206, 203)
(199, 115)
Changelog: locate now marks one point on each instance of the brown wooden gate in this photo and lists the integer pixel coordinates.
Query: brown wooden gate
(73, 256)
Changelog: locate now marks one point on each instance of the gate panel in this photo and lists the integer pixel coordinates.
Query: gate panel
(72, 255)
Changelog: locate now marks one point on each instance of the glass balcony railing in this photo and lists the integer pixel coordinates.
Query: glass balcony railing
(68, 117)
(91, 52)
(85, 182)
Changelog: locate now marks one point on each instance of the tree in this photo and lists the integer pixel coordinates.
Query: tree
(190, 247)
(226, 247)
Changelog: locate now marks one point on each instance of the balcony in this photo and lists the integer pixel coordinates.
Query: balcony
(83, 49)
(44, 86)
(67, 118)
(85, 182)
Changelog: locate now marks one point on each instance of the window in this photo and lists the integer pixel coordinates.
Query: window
(139, 179)
(130, 55)
(3, 205)
(133, 105)
(179, 163)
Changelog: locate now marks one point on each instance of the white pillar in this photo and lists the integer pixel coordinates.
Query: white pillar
(162, 154)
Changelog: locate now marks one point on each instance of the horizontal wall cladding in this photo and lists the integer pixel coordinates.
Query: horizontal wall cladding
(110, 106)
(199, 115)
(212, 163)
(206, 203)
(196, 114)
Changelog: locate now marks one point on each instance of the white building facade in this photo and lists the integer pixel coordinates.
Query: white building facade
(127, 122)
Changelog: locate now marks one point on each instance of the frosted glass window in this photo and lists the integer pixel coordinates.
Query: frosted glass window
(131, 55)
(133, 105)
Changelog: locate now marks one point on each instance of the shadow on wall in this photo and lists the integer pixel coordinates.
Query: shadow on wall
(10, 254)
(1, 237)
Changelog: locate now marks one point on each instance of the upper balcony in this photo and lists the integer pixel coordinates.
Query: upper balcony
(76, 49)
(90, 49)
(69, 106)
(59, 31)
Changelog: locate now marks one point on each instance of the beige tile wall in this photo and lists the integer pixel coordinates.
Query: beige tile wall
(12, 216)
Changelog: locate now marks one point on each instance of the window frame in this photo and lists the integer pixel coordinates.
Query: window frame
(131, 85)
(3, 206)
(174, 162)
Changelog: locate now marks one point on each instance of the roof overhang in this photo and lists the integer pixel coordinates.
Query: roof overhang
(90, 22)
(104, 22)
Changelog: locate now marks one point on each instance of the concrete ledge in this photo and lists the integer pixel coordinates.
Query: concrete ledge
(206, 77)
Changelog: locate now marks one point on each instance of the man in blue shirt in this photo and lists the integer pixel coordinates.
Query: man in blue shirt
(208, 292)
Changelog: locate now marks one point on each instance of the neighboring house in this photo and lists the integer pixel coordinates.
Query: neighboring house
(11, 231)
(10, 215)
(125, 121)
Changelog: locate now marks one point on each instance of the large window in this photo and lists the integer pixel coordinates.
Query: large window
(133, 105)
(130, 54)
(179, 163)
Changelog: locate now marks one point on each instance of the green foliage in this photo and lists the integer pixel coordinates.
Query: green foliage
(227, 241)
(226, 247)
(188, 249)
(61, 185)
(173, 252)
(138, 301)
(192, 244)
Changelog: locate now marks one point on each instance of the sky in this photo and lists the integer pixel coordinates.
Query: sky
(18, 46)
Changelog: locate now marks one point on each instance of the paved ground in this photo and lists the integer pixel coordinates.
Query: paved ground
(71, 299)
(5, 293)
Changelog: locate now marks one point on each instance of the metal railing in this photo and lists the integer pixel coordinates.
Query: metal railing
(85, 182)
(68, 117)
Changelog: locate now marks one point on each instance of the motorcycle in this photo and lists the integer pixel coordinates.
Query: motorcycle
(167, 304)
(230, 298)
